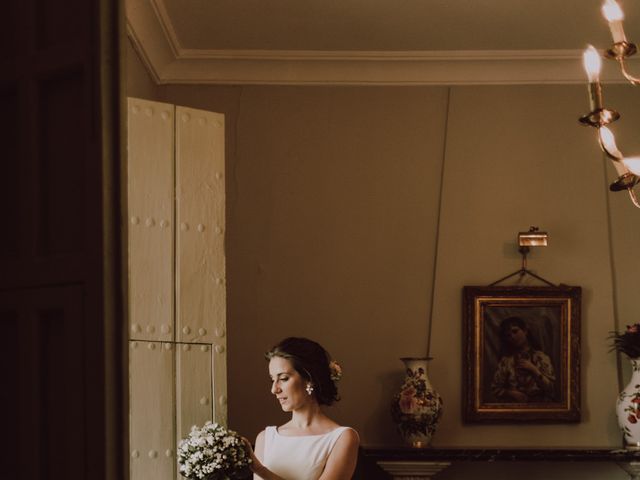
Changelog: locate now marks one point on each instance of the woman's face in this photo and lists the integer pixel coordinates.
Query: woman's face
(516, 336)
(287, 384)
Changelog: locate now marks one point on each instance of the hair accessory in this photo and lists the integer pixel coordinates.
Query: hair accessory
(336, 370)
(309, 388)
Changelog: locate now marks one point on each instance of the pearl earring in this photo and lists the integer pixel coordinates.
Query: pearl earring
(309, 388)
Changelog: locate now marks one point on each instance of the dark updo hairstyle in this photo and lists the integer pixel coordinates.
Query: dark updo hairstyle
(311, 361)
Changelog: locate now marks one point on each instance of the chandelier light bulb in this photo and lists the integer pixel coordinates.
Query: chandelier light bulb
(592, 63)
(609, 142)
(628, 169)
(613, 13)
(633, 164)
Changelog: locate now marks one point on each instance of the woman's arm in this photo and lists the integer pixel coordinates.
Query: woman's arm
(547, 377)
(502, 386)
(257, 455)
(343, 457)
(260, 472)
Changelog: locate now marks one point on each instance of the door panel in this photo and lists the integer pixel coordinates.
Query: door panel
(61, 313)
(200, 222)
(45, 381)
(176, 224)
(152, 409)
(193, 386)
(151, 219)
(61, 164)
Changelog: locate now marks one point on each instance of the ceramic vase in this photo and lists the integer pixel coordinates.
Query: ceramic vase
(628, 408)
(417, 408)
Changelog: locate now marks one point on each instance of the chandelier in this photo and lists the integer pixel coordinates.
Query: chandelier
(627, 168)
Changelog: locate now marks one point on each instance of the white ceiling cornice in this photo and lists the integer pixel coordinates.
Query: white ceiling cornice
(153, 36)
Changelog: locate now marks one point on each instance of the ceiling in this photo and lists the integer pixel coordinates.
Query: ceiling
(386, 42)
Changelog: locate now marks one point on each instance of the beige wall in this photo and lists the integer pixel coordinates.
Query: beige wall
(139, 82)
(519, 153)
(335, 231)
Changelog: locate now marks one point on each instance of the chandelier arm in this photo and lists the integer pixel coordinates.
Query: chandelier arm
(633, 197)
(627, 75)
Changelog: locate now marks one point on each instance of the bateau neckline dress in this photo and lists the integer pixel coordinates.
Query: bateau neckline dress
(298, 457)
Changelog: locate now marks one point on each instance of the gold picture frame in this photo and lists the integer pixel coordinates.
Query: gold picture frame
(521, 354)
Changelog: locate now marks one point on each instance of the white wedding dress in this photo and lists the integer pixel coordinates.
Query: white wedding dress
(301, 457)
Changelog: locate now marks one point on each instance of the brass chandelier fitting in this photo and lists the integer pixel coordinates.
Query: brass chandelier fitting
(627, 168)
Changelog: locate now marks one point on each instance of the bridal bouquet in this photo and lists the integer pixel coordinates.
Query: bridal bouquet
(213, 453)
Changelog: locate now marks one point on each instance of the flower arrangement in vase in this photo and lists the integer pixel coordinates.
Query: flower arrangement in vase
(627, 342)
(628, 403)
(417, 408)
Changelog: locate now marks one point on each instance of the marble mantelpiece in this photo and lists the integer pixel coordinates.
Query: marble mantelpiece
(406, 463)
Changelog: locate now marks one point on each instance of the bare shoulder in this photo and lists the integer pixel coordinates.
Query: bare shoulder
(259, 445)
(343, 457)
(348, 442)
(349, 438)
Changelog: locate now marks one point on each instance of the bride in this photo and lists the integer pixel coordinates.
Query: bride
(310, 446)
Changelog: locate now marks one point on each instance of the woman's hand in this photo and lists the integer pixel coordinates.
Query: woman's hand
(530, 367)
(517, 395)
(256, 466)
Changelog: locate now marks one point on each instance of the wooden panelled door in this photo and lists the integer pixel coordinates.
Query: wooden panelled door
(177, 286)
(61, 316)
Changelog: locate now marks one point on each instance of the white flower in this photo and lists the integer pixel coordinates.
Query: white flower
(212, 450)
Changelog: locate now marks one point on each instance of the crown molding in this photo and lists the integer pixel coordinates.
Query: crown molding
(154, 38)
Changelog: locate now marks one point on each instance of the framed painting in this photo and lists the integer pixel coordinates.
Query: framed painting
(521, 354)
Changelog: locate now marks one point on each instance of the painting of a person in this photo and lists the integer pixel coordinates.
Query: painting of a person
(524, 373)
